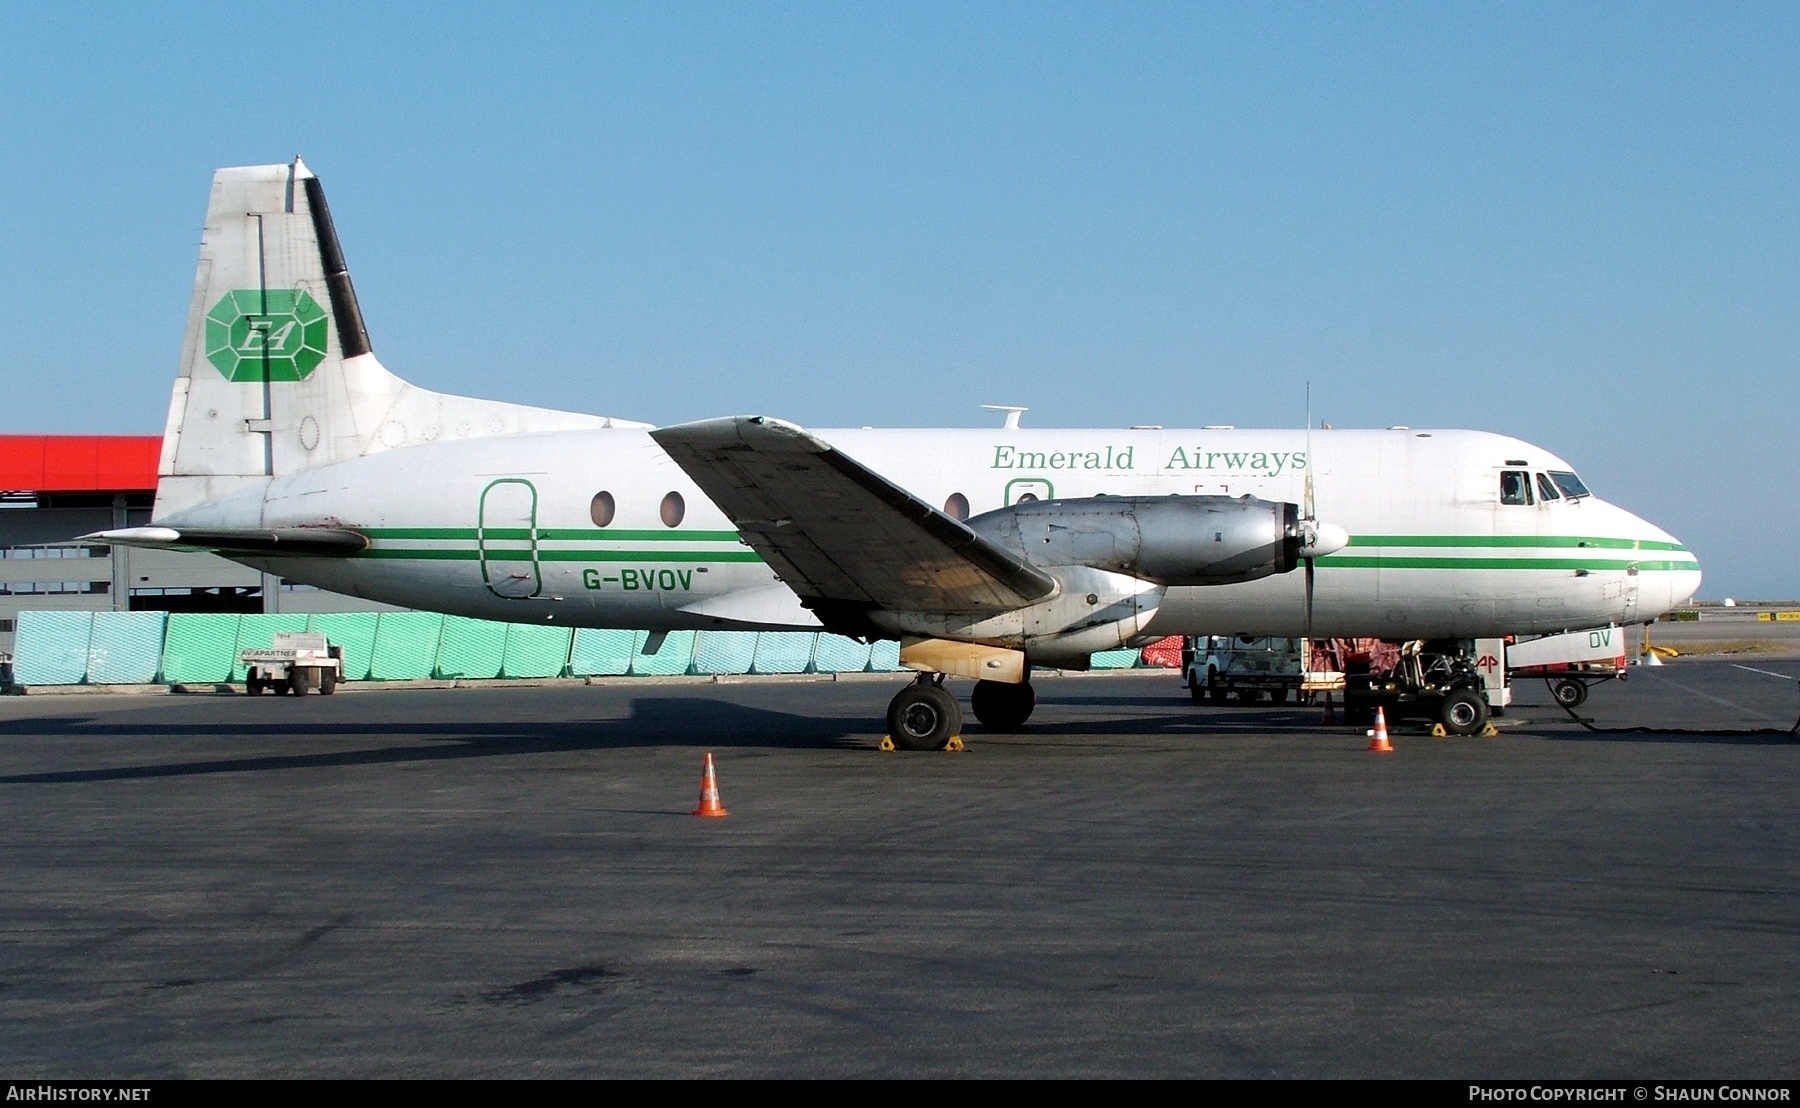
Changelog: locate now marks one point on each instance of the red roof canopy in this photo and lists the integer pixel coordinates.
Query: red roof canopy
(79, 463)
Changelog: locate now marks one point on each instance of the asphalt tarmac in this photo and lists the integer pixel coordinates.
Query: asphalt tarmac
(507, 883)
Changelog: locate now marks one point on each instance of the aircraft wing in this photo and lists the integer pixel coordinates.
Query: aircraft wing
(844, 538)
(316, 542)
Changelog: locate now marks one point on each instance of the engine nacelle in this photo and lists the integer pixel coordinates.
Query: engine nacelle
(1171, 540)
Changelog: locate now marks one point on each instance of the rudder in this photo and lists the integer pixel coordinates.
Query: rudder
(277, 371)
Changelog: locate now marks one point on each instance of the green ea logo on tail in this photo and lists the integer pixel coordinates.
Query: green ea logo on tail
(278, 334)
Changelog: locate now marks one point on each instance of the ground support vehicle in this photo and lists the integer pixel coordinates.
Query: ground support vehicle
(1436, 680)
(1571, 662)
(1249, 667)
(1457, 685)
(298, 662)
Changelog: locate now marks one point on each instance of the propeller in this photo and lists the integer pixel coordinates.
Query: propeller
(1316, 539)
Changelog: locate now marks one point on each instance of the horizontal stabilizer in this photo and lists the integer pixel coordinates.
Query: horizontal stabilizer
(843, 537)
(310, 542)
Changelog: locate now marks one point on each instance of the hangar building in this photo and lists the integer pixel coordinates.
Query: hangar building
(55, 487)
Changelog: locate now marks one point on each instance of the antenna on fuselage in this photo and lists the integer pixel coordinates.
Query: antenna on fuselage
(1012, 414)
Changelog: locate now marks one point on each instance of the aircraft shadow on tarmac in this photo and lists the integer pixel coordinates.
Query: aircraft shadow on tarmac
(719, 724)
(694, 722)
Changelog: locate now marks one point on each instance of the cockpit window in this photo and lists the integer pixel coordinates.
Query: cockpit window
(1570, 485)
(1515, 486)
(1547, 489)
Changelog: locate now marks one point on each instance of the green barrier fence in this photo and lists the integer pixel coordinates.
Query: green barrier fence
(534, 650)
(355, 632)
(126, 648)
(200, 648)
(784, 651)
(599, 652)
(406, 645)
(471, 648)
(672, 659)
(724, 652)
(840, 654)
(65, 648)
(51, 648)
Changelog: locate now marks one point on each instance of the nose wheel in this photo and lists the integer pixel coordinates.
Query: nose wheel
(924, 716)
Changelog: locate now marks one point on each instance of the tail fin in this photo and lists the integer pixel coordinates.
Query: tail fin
(277, 372)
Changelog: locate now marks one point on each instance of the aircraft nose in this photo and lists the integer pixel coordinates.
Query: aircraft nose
(1670, 575)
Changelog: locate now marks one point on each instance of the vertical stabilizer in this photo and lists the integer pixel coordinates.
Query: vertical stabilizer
(277, 370)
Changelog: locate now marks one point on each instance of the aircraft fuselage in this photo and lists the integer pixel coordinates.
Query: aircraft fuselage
(509, 527)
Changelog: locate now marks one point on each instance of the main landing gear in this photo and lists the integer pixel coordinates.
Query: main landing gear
(1001, 706)
(925, 716)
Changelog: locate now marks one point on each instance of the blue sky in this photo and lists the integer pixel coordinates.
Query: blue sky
(1575, 223)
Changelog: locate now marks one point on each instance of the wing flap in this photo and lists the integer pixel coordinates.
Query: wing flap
(839, 534)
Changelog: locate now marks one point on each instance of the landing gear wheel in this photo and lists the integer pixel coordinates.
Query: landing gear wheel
(923, 717)
(1463, 712)
(1569, 692)
(300, 680)
(1003, 707)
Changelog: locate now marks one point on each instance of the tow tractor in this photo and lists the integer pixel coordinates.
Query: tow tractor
(1439, 680)
(1458, 684)
(298, 662)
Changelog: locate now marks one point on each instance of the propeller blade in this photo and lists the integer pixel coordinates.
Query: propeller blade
(1310, 562)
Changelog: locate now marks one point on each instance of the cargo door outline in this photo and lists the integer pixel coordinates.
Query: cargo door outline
(506, 539)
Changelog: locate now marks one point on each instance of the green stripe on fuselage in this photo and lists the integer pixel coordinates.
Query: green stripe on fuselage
(1555, 542)
(1414, 561)
(469, 554)
(592, 534)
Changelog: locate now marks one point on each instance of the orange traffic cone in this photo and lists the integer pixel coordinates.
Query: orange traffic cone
(1381, 744)
(709, 793)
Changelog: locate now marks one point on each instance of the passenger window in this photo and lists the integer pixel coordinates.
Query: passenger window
(957, 507)
(602, 508)
(1547, 489)
(1515, 487)
(673, 509)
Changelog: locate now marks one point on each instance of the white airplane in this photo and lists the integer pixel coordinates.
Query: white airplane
(290, 448)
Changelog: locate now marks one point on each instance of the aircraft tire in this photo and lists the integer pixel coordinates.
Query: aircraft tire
(923, 717)
(1569, 692)
(1003, 707)
(1463, 712)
